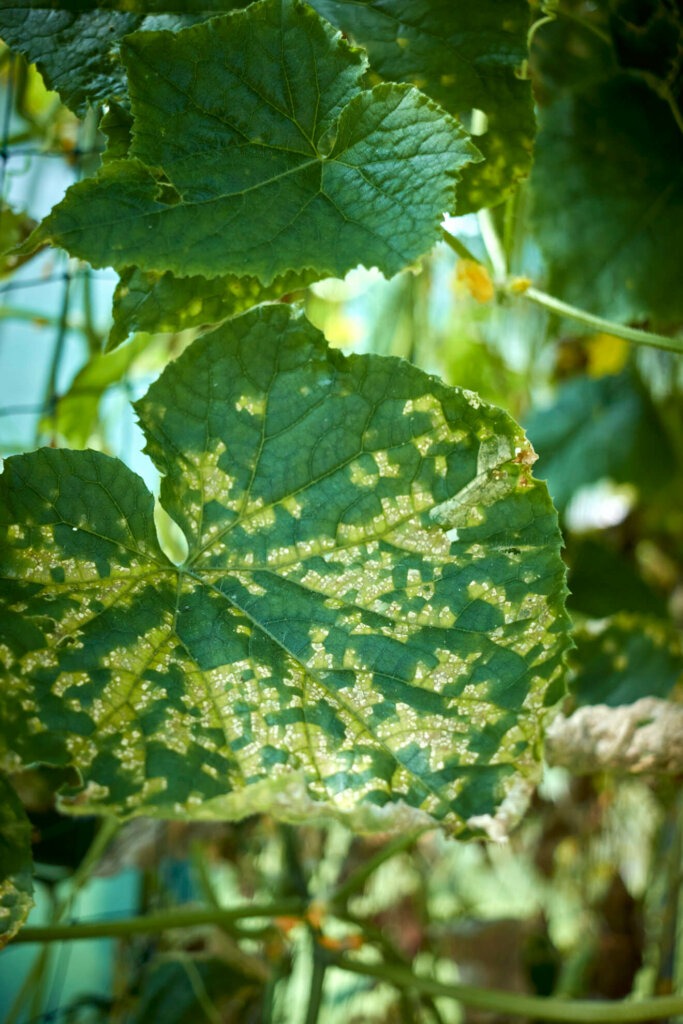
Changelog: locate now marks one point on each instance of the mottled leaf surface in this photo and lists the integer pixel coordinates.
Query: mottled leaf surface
(623, 658)
(145, 301)
(16, 863)
(257, 151)
(369, 622)
(465, 56)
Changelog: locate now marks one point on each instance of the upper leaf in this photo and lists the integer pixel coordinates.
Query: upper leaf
(465, 56)
(256, 151)
(369, 621)
(16, 863)
(76, 51)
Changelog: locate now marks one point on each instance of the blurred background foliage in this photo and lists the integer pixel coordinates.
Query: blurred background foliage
(584, 899)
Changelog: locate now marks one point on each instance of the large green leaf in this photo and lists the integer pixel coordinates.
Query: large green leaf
(76, 51)
(16, 863)
(369, 621)
(256, 151)
(465, 56)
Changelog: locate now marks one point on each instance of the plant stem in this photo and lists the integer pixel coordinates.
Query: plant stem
(178, 918)
(511, 1003)
(357, 880)
(315, 996)
(599, 324)
(34, 981)
(493, 245)
(458, 247)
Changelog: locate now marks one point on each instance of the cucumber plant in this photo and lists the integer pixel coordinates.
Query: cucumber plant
(367, 621)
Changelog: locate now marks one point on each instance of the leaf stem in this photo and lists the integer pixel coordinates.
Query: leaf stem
(511, 1003)
(560, 308)
(493, 245)
(458, 247)
(320, 962)
(357, 880)
(161, 921)
(549, 302)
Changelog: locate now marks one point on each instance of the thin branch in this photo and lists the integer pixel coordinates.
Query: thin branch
(159, 922)
(513, 1004)
(648, 338)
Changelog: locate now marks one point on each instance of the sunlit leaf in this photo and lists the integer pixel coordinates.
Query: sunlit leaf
(257, 151)
(16, 863)
(369, 622)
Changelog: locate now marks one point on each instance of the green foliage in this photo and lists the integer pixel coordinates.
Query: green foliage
(348, 601)
(170, 991)
(15, 227)
(77, 51)
(603, 427)
(466, 57)
(370, 613)
(607, 188)
(619, 660)
(317, 173)
(16, 863)
(148, 301)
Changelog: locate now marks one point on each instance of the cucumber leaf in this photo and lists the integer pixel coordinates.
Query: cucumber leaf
(257, 151)
(369, 622)
(466, 57)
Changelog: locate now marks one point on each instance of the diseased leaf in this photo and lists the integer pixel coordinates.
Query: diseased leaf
(16, 863)
(643, 736)
(369, 622)
(465, 56)
(257, 152)
(605, 427)
(162, 302)
(623, 658)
